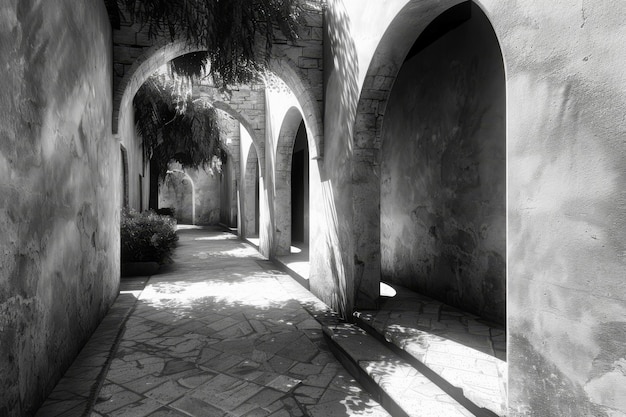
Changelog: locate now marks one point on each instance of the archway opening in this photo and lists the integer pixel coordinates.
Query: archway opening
(178, 192)
(443, 195)
(443, 172)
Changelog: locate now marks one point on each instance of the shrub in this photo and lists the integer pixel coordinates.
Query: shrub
(147, 236)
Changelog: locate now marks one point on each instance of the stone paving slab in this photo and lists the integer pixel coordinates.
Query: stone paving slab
(222, 333)
(461, 348)
(400, 386)
(75, 393)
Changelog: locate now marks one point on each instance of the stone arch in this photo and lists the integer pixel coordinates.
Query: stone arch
(255, 132)
(282, 180)
(143, 67)
(309, 106)
(392, 49)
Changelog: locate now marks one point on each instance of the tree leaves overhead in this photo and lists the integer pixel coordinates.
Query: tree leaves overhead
(175, 128)
(190, 65)
(238, 34)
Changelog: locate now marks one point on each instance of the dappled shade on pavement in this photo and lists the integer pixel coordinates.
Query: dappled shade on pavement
(220, 332)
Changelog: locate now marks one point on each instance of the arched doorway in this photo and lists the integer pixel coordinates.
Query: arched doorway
(178, 192)
(291, 204)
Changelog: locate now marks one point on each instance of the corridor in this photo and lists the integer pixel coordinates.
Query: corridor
(219, 332)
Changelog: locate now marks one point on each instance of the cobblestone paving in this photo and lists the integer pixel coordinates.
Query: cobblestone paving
(221, 333)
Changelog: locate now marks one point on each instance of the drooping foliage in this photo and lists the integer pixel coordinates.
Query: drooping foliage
(175, 128)
(238, 34)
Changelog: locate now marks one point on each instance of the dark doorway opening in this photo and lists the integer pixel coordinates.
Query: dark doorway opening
(300, 188)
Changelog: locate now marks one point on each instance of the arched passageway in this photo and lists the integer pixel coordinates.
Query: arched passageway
(443, 171)
(178, 192)
(291, 183)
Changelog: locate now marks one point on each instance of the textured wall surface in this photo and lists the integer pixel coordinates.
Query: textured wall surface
(59, 187)
(566, 98)
(443, 224)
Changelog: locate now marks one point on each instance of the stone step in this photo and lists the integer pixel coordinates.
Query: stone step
(473, 377)
(399, 386)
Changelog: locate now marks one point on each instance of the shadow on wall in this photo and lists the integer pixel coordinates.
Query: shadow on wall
(341, 96)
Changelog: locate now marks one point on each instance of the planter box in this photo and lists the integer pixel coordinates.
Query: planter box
(136, 269)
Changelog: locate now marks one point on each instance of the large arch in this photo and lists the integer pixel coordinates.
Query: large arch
(423, 128)
(391, 51)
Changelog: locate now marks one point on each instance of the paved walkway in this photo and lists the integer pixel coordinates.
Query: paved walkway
(221, 332)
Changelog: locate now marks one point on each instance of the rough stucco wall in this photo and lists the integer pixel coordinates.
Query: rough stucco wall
(443, 225)
(175, 192)
(566, 87)
(59, 211)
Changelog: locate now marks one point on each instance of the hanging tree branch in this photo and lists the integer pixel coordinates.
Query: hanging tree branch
(237, 34)
(174, 128)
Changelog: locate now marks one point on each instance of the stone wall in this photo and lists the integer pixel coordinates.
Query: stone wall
(443, 174)
(59, 210)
